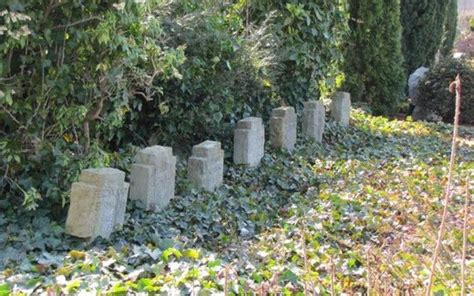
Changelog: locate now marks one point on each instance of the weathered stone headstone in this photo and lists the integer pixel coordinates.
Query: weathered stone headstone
(313, 120)
(249, 141)
(283, 128)
(413, 84)
(341, 108)
(206, 165)
(152, 178)
(97, 203)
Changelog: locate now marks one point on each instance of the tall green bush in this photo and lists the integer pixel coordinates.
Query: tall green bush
(434, 91)
(373, 58)
(423, 23)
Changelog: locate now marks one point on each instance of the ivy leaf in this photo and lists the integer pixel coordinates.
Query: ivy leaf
(193, 254)
(77, 255)
(5, 289)
(171, 252)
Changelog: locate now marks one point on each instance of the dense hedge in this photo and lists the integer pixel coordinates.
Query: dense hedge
(373, 61)
(435, 95)
(84, 82)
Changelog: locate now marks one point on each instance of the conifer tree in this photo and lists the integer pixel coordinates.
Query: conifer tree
(373, 58)
(423, 23)
(450, 27)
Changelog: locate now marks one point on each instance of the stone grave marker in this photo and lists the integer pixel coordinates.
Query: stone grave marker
(152, 178)
(206, 165)
(283, 128)
(98, 203)
(313, 120)
(249, 141)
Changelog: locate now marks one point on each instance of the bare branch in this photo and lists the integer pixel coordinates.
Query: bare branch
(456, 85)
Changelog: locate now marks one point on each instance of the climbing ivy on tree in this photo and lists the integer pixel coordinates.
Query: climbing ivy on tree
(373, 58)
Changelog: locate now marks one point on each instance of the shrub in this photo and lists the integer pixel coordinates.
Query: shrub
(84, 82)
(226, 76)
(373, 59)
(471, 23)
(70, 72)
(423, 26)
(434, 93)
(309, 35)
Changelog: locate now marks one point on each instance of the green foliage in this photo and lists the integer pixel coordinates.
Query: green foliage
(450, 28)
(308, 35)
(63, 61)
(434, 93)
(372, 186)
(82, 81)
(471, 23)
(226, 75)
(373, 59)
(423, 25)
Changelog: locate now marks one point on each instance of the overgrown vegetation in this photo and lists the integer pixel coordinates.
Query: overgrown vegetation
(360, 209)
(82, 81)
(435, 95)
(373, 60)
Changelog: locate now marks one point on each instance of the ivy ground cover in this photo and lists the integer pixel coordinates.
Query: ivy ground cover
(360, 211)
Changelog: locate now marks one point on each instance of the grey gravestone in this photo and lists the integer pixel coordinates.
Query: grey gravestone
(249, 141)
(97, 203)
(313, 120)
(341, 108)
(152, 178)
(206, 165)
(413, 83)
(283, 128)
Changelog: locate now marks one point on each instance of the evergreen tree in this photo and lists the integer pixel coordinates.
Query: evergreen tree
(373, 58)
(423, 23)
(450, 27)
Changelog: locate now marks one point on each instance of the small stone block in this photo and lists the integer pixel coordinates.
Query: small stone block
(97, 203)
(249, 141)
(206, 165)
(283, 128)
(313, 120)
(341, 108)
(152, 178)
